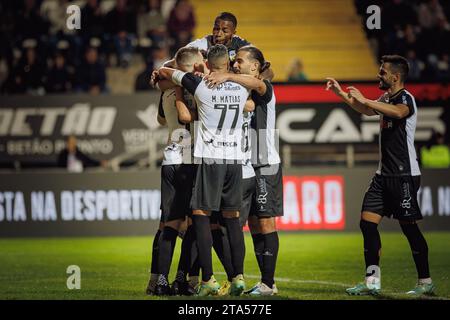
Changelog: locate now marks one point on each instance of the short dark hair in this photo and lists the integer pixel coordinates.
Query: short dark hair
(227, 16)
(399, 64)
(184, 54)
(216, 52)
(257, 55)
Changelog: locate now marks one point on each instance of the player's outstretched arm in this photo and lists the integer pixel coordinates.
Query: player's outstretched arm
(356, 105)
(397, 111)
(248, 81)
(185, 115)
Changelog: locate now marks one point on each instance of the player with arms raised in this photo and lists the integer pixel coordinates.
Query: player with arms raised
(393, 189)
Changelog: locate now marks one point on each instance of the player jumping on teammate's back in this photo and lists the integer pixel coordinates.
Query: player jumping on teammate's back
(223, 32)
(393, 189)
(177, 173)
(268, 199)
(219, 173)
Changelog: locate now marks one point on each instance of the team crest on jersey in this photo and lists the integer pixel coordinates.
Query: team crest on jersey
(232, 54)
(386, 124)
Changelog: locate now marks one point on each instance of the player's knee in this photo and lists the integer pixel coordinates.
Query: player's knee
(267, 225)
(230, 214)
(215, 226)
(174, 224)
(253, 225)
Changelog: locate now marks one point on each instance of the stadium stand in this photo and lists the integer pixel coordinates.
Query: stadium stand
(418, 30)
(326, 35)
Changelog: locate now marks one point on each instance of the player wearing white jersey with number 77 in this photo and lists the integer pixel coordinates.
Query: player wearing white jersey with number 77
(218, 150)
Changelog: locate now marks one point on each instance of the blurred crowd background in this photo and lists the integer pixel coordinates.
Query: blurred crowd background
(416, 29)
(40, 55)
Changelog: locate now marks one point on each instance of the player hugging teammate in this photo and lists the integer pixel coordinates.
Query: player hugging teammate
(227, 186)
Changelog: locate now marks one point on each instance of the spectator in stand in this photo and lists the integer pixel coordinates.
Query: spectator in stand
(296, 73)
(430, 13)
(92, 75)
(59, 76)
(181, 23)
(415, 65)
(29, 23)
(74, 160)
(443, 70)
(56, 13)
(92, 20)
(28, 75)
(436, 154)
(151, 22)
(121, 24)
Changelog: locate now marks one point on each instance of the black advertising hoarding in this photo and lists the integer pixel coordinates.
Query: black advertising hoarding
(127, 202)
(307, 114)
(34, 129)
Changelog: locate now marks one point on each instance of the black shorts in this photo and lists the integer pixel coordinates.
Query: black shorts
(176, 191)
(268, 199)
(248, 194)
(393, 197)
(217, 187)
(248, 191)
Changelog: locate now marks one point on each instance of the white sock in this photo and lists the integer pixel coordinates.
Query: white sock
(425, 281)
(372, 279)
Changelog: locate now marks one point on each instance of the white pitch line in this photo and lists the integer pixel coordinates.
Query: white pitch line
(330, 283)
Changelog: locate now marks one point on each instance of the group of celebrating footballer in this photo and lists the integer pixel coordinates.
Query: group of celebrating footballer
(221, 167)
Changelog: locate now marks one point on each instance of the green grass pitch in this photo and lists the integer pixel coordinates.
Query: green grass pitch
(310, 266)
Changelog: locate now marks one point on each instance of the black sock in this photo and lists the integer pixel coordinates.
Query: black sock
(204, 245)
(258, 247)
(222, 248)
(236, 238)
(167, 242)
(419, 248)
(372, 244)
(270, 254)
(155, 251)
(195, 268)
(184, 264)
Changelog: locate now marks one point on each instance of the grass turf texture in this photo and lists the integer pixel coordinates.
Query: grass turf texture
(310, 266)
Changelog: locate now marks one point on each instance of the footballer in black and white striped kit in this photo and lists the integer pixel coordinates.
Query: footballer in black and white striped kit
(218, 152)
(393, 189)
(267, 201)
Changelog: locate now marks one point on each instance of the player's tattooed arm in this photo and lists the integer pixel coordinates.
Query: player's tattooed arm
(248, 81)
(397, 111)
(185, 115)
(356, 105)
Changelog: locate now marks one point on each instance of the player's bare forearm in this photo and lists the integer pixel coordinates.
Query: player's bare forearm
(249, 82)
(398, 111)
(355, 104)
(166, 73)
